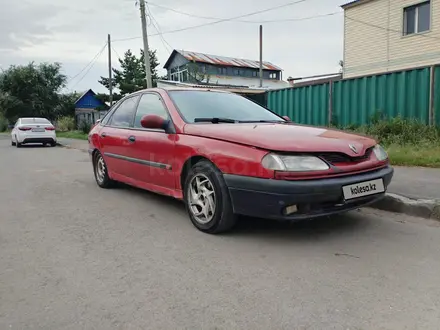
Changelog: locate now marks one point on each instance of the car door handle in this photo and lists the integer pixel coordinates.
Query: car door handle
(132, 139)
(104, 134)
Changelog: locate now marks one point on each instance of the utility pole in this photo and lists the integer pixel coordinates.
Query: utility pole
(261, 55)
(146, 50)
(110, 80)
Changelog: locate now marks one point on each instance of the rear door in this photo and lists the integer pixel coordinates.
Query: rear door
(152, 150)
(113, 136)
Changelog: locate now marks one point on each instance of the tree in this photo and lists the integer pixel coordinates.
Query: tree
(31, 90)
(196, 73)
(131, 77)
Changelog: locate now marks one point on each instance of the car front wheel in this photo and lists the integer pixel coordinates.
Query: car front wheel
(207, 199)
(101, 173)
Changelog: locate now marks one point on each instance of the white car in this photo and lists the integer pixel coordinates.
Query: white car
(33, 130)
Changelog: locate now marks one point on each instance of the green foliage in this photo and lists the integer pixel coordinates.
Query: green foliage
(31, 90)
(196, 74)
(131, 77)
(65, 124)
(3, 124)
(85, 127)
(400, 131)
(106, 97)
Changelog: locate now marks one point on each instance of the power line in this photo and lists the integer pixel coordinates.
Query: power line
(221, 20)
(246, 21)
(91, 61)
(91, 66)
(117, 54)
(159, 30)
(387, 29)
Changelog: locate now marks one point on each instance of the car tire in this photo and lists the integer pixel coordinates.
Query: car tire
(13, 143)
(218, 217)
(100, 172)
(53, 144)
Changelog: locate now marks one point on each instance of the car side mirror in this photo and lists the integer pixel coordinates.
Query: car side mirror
(287, 118)
(154, 122)
(97, 121)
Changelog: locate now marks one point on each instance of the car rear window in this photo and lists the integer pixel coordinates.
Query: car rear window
(208, 104)
(28, 121)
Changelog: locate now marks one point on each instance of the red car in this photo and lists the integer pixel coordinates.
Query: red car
(225, 155)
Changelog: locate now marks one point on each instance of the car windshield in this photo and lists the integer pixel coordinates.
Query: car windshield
(229, 107)
(28, 121)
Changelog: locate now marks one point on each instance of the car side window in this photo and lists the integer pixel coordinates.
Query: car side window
(108, 115)
(123, 116)
(150, 104)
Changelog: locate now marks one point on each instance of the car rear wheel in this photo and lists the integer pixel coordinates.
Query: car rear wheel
(101, 173)
(207, 199)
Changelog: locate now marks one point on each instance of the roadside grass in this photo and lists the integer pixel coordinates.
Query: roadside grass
(407, 141)
(73, 135)
(412, 155)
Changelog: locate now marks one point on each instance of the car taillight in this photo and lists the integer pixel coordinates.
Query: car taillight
(24, 128)
(50, 128)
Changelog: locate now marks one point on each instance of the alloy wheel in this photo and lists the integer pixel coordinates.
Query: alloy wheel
(100, 169)
(201, 198)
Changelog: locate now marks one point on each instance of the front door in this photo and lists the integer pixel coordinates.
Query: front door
(152, 151)
(113, 137)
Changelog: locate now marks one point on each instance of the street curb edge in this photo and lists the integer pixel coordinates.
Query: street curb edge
(423, 208)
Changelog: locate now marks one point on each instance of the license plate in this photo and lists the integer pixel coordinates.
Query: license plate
(363, 189)
(38, 130)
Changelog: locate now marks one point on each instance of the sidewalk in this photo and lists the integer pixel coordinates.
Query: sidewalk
(416, 182)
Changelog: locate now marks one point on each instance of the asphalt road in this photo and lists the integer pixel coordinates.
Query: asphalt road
(73, 256)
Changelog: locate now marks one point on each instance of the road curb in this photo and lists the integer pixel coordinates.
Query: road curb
(424, 208)
(67, 146)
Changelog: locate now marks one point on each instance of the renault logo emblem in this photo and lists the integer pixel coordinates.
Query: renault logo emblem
(353, 148)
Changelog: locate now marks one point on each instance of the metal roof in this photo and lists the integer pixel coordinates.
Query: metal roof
(223, 60)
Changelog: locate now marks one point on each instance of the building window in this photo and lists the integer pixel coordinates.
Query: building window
(221, 70)
(417, 18)
(236, 72)
(254, 73)
(179, 74)
(273, 75)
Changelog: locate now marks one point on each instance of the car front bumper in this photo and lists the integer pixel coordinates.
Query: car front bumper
(269, 198)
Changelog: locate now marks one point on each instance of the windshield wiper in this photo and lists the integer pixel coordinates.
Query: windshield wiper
(263, 121)
(215, 120)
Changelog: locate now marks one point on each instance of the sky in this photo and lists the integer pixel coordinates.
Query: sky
(74, 32)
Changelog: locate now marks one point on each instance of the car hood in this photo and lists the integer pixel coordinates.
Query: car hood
(284, 137)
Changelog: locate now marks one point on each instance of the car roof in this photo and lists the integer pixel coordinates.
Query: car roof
(173, 88)
(33, 118)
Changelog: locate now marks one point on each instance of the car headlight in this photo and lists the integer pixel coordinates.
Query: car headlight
(293, 163)
(380, 152)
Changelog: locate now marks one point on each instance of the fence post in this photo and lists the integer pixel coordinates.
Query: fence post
(431, 114)
(330, 102)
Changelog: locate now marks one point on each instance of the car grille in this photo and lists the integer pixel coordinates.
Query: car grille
(335, 158)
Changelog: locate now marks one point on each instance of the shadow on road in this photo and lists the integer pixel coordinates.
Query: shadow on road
(312, 229)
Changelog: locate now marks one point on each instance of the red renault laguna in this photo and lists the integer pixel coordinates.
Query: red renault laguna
(225, 156)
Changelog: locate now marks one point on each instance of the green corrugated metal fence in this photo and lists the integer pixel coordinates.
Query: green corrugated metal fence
(307, 104)
(355, 101)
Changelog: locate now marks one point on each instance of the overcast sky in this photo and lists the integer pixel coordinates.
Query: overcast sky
(73, 32)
